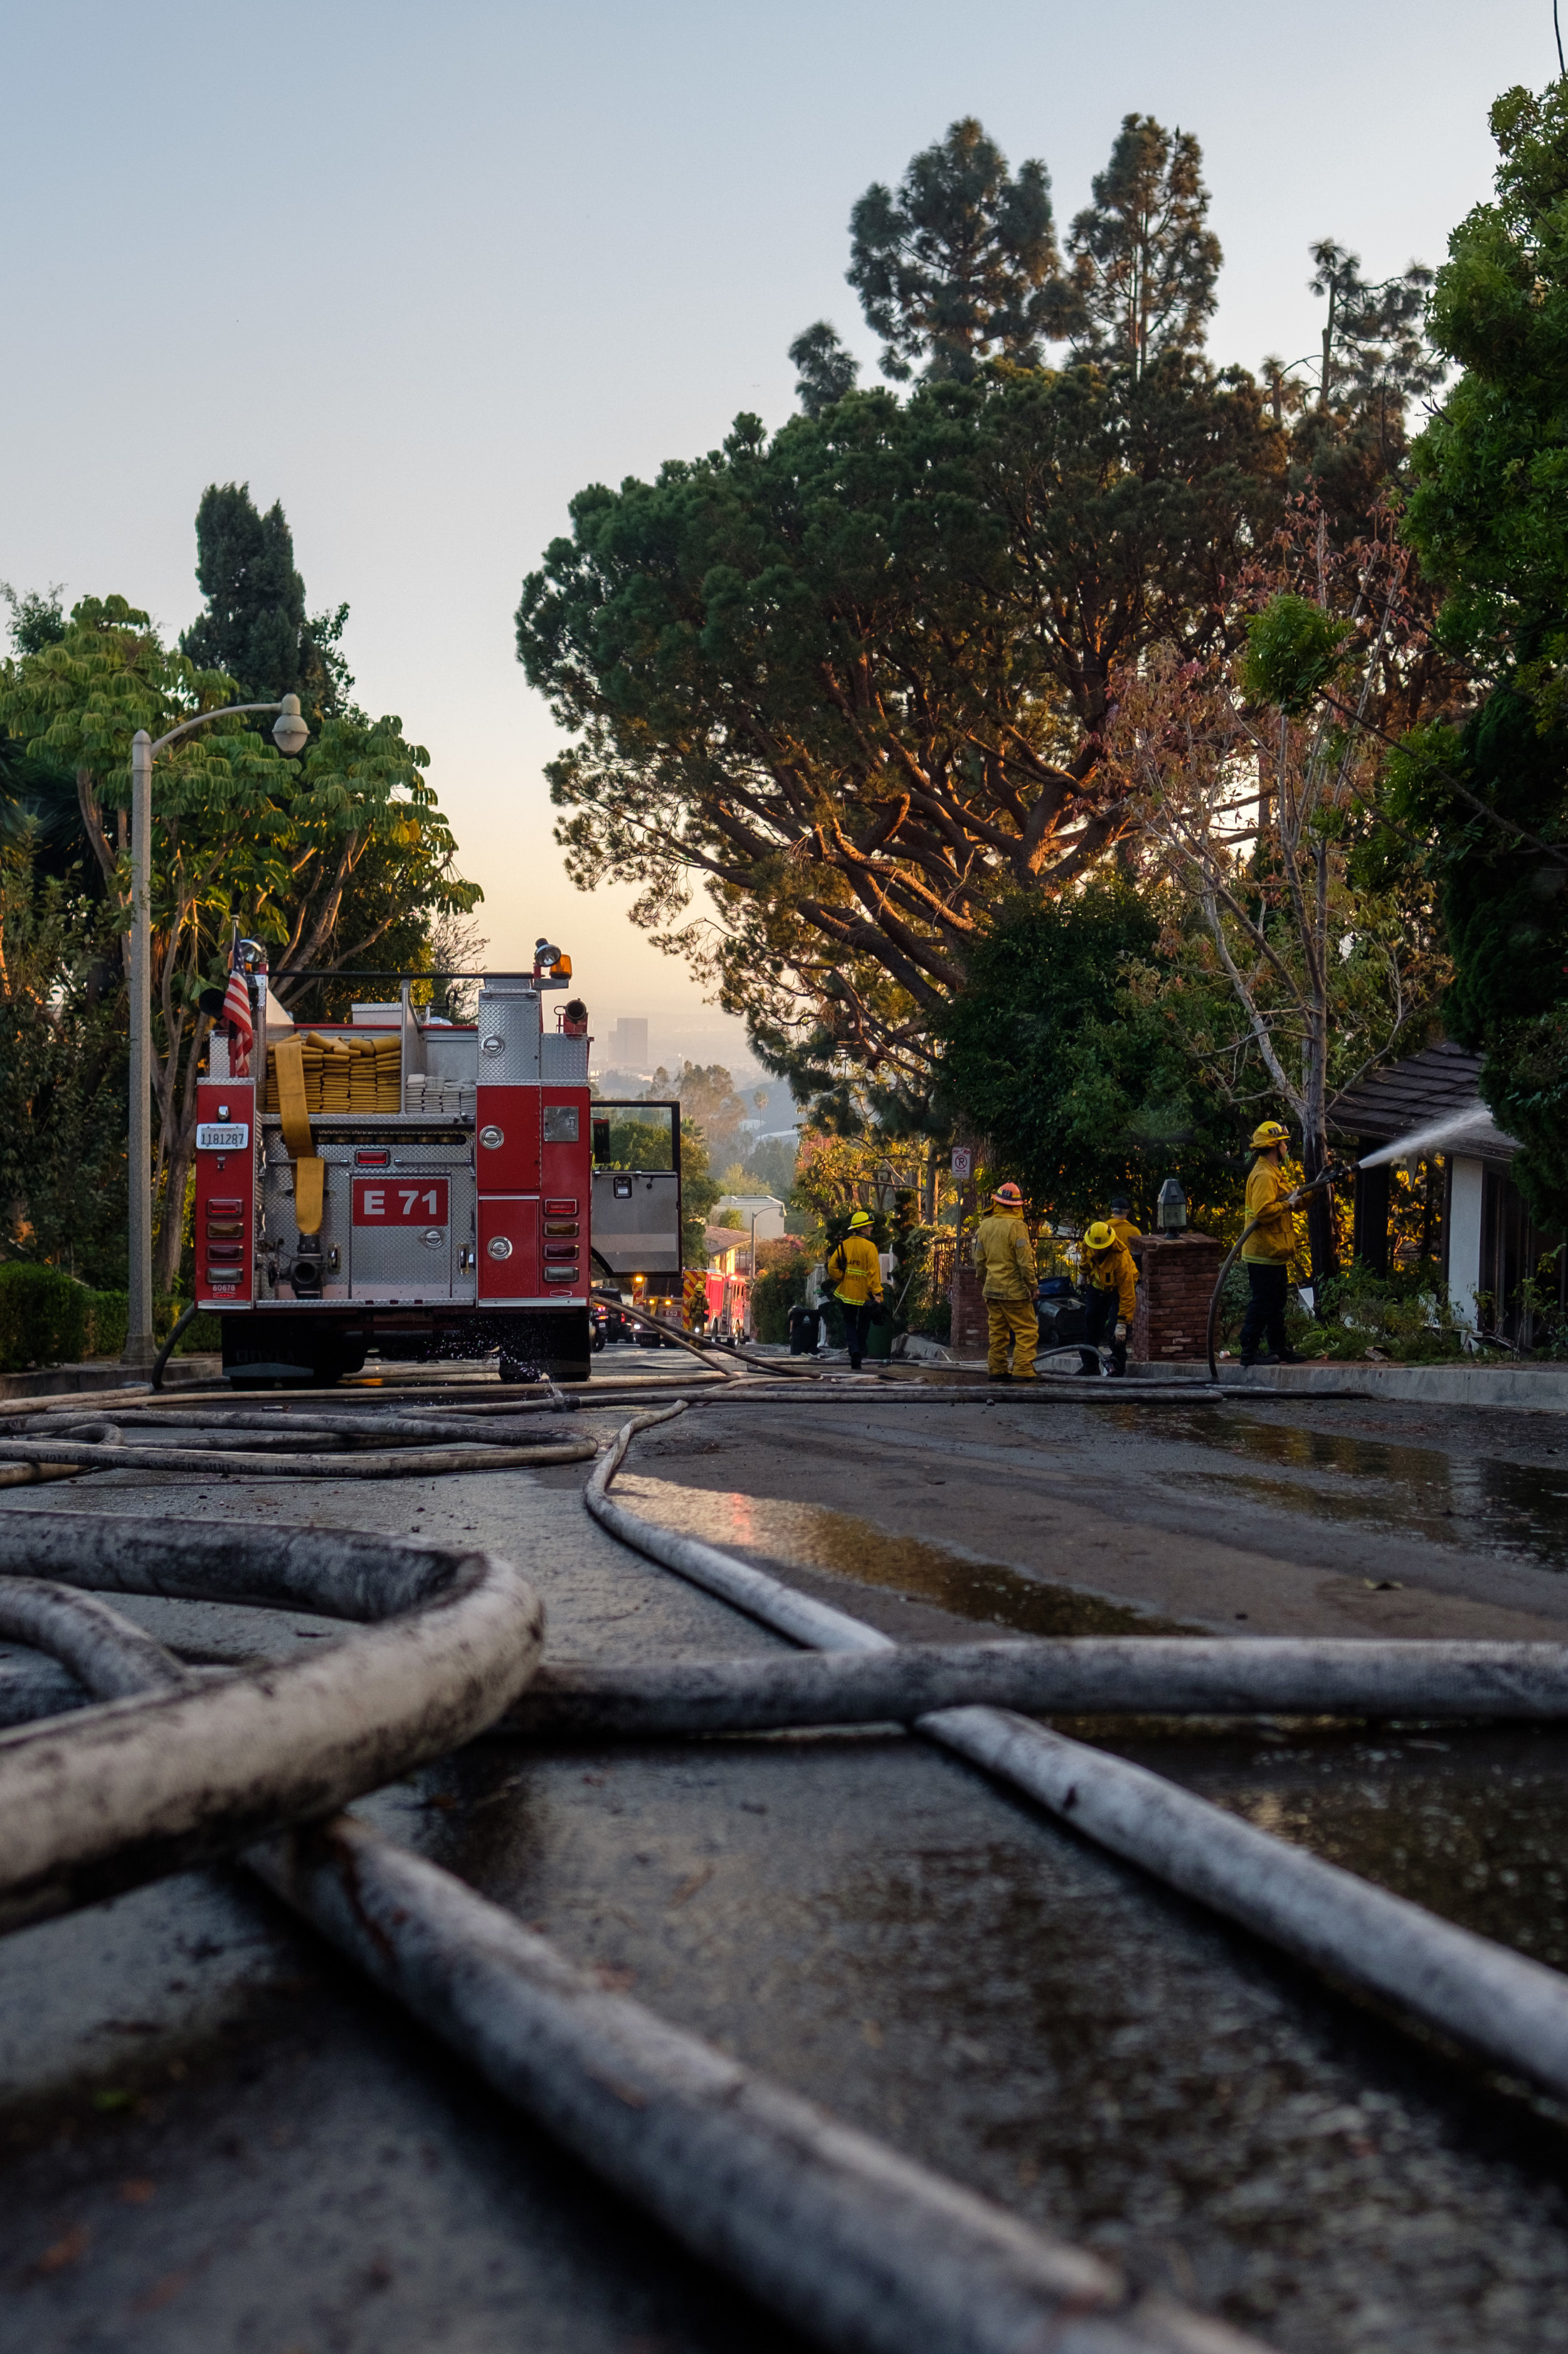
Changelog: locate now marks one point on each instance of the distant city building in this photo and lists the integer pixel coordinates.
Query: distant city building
(626, 1046)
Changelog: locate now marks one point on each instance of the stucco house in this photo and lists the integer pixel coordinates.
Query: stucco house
(1428, 1109)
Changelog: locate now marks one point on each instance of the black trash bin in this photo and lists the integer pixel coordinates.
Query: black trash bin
(805, 1330)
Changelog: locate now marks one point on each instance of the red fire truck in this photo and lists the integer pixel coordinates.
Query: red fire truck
(423, 1189)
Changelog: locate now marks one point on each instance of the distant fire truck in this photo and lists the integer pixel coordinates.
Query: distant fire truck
(424, 1188)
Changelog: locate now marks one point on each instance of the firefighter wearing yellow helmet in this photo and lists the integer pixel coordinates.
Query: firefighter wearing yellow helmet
(1003, 1255)
(855, 1272)
(1268, 1250)
(1111, 1282)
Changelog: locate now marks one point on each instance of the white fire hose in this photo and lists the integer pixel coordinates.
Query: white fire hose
(848, 2242)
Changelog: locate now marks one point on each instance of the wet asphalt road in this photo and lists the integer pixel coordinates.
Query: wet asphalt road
(212, 2138)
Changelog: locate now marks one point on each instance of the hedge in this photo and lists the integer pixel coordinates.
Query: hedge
(43, 1316)
(49, 1319)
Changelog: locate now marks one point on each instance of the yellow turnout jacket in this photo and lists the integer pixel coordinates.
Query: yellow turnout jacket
(1003, 1252)
(1115, 1270)
(1268, 1191)
(856, 1270)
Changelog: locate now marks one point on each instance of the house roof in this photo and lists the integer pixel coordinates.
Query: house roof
(716, 1239)
(1441, 1080)
(1429, 1102)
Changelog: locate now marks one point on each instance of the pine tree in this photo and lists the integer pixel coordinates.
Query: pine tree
(1375, 353)
(256, 627)
(825, 371)
(255, 617)
(1143, 264)
(960, 264)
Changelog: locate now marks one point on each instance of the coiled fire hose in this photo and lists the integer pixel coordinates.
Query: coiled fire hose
(857, 2247)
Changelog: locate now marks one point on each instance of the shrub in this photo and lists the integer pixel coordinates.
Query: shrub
(780, 1285)
(43, 1316)
(108, 1320)
(203, 1332)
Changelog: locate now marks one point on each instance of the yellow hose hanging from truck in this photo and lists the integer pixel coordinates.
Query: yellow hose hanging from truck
(310, 1171)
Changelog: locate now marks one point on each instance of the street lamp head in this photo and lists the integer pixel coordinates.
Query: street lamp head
(1170, 1210)
(290, 731)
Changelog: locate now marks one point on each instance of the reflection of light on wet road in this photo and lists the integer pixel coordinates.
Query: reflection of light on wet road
(1516, 1512)
(813, 1536)
(742, 1518)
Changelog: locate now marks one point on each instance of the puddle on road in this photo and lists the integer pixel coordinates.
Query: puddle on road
(1518, 1511)
(1471, 1822)
(813, 1536)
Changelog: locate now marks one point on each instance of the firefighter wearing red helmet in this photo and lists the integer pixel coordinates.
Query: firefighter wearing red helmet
(1003, 1255)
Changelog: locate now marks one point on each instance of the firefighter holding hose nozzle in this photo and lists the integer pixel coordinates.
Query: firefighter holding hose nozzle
(1111, 1283)
(1269, 1249)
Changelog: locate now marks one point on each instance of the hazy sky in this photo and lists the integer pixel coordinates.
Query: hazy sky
(424, 272)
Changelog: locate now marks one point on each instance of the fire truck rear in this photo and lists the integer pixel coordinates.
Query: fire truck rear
(411, 1186)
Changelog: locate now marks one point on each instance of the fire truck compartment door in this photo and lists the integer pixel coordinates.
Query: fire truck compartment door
(409, 1225)
(508, 1248)
(507, 1139)
(637, 1220)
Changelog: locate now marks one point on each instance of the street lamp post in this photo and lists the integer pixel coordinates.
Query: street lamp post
(289, 733)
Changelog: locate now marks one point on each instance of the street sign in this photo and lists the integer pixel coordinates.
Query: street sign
(963, 1164)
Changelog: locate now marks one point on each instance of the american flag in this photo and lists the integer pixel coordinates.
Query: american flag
(242, 1029)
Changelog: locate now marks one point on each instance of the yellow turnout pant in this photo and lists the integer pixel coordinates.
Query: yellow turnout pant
(1014, 1320)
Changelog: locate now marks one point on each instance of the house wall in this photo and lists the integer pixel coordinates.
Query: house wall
(1467, 1201)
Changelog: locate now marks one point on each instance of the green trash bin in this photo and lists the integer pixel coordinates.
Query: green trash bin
(879, 1340)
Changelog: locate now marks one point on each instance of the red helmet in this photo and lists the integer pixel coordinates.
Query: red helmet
(1008, 1196)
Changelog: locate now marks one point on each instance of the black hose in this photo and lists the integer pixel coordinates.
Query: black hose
(1327, 1178)
(162, 1359)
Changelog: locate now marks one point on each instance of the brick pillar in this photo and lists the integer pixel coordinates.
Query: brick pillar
(1177, 1280)
(971, 1324)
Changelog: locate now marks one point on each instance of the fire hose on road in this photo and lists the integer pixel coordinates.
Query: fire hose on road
(855, 2245)
(1495, 2001)
(167, 1765)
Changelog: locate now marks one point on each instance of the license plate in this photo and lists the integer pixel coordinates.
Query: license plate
(222, 1136)
(400, 1202)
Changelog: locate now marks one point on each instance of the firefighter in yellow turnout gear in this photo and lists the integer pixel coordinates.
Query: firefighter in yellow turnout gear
(855, 1271)
(1266, 1254)
(1003, 1255)
(1111, 1282)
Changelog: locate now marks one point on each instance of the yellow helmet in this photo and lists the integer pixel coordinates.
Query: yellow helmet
(861, 1218)
(1270, 1132)
(1099, 1237)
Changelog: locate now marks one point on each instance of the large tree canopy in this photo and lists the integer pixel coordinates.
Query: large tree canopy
(852, 678)
(239, 833)
(1486, 514)
(1083, 1084)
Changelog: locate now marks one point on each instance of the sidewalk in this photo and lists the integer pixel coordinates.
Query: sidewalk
(105, 1373)
(1540, 1388)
